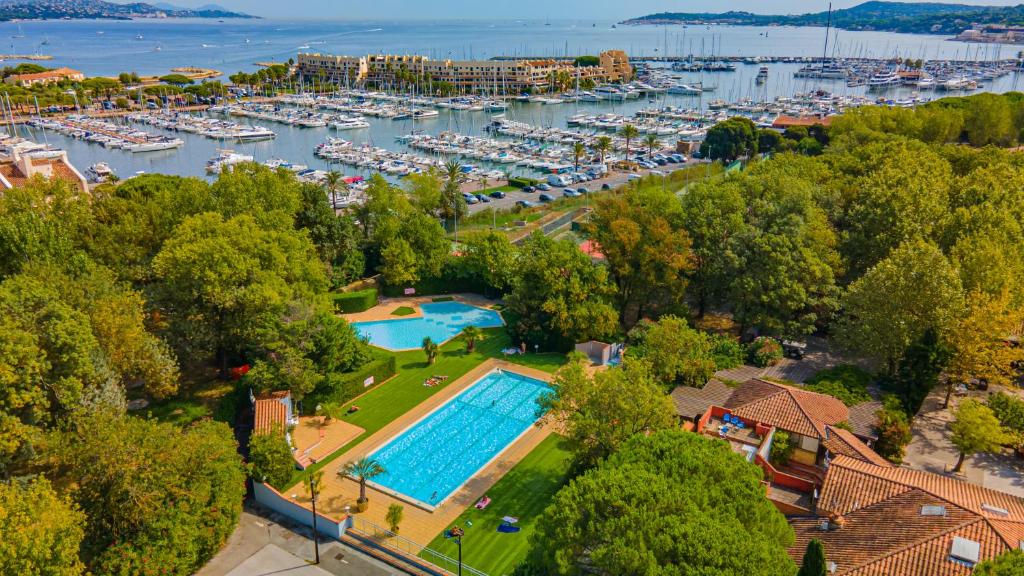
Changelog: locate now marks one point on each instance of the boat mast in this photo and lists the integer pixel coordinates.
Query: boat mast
(828, 28)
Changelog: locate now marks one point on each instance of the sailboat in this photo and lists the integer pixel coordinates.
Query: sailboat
(20, 34)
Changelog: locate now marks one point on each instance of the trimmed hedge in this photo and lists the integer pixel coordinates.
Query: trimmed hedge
(342, 387)
(358, 301)
(522, 182)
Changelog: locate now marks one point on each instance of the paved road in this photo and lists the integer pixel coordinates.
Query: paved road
(258, 528)
(932, 450)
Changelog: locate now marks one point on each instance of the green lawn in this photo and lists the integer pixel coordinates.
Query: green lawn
(524, 493)
(403, 311)
(404, 391)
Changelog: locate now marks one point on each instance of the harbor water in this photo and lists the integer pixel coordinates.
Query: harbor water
(102, 47)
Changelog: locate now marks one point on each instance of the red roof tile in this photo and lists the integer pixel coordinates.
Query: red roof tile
(269, 413)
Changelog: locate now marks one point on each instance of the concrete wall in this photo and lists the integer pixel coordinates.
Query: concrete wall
(277, 502)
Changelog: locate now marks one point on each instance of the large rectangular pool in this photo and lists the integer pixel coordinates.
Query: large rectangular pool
(441, 321)
(438, 454)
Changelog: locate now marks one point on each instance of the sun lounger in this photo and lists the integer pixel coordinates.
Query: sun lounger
(508, 528)
(483, 503)
(510, 519)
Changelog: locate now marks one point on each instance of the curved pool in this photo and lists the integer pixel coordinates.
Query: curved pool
(441, 321)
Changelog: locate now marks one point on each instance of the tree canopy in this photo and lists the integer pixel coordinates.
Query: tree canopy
(670, 502)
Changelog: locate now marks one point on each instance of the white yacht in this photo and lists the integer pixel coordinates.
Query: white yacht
(349, 123)
(226, 158)
(610, 93)
(762, 75)
(424, 113)
(884, 78)
(100, 172)
(253, 133)
(686, 89)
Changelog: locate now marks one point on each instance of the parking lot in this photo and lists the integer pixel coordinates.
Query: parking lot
(613, 180)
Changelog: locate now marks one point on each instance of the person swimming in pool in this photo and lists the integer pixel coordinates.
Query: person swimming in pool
(433, 496)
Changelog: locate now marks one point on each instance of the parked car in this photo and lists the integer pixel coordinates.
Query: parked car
(543, 186)
(632, 177)
(525, 204)
(483, 198)
(470, 199)
(529, 189)
(497, 194)
(582, 190)
(606, 186)
(546, 198)
(570, 193)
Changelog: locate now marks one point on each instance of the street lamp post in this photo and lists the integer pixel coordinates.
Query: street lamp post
(457, 533)
(316, 538)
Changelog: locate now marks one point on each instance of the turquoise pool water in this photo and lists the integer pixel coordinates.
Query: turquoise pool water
(441, 321)
(439, 453)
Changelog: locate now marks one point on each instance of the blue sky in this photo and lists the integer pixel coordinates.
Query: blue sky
(597, 9)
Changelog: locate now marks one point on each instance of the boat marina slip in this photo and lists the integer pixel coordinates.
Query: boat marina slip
(689, 79)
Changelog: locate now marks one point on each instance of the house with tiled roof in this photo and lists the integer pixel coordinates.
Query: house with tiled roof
(750, 417)
(18, 167)
(45, 77)
(882, 520)
(273, 411)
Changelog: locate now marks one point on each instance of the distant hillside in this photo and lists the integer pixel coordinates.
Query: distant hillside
(75, 9)
(924, 17)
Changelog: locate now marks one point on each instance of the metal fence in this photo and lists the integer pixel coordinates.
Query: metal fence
(388, 540)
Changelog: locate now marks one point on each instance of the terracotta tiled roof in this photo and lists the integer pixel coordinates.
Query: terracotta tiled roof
(844, 442)
(884, 531)
(788, 408)
(269, 413)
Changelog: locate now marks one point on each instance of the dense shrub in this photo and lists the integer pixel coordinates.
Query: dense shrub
(782, 447)
(847, 383)
(727, 352)
(522, 182)
(893, 430)
(358, 301)
(270, 458)
(339, 388)
(764, 351)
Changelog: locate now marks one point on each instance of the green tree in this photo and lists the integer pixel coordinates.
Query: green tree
(647, 251)
(782, 447)
(560, 296)
(158, 499)
(176, 79)
(471, 334)
(730, 139)
(976, 429)
(270, 458)
(651, 142)
(978, 342)
(600, 412)
(42, 531)
(490, 260)
(893, 429)
(1007, 564)
(398, 263)
(629, 133)
(430, 348)
(677, 353)
(603, 145)
(895, 302)
(334, 182)
(769, 141)
(335, 236)
(653, 503)
(919, 370)
(394, 517)
(578, 150)
(227, 283)
(362, 469)
(1009, 410)
(453, 205)
(814, 560)
(713, 217)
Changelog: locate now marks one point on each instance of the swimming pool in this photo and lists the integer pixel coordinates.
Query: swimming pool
(441, 321)
(438, 454)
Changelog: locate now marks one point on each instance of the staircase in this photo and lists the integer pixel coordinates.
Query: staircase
(809, 473)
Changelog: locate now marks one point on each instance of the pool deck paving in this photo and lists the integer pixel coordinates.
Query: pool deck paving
(317, 440)
(420, 525)
(383, 310)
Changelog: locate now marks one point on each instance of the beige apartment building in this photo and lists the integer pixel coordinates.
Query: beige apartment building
(491, 76)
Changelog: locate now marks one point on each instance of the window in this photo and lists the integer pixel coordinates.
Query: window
(933, 510)
(965, 552)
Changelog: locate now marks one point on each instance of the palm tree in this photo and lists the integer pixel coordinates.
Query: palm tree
(652, 142)
(334, 182)
(629, 132)
(471, 334)
(430, 347)
(578, 149)
(603, 146)
(362, 470)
